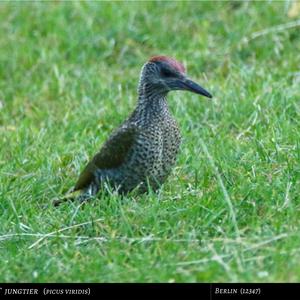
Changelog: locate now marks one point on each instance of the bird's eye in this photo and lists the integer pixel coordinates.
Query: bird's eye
(167, 73)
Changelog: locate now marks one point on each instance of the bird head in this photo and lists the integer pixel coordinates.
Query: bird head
(162, 74)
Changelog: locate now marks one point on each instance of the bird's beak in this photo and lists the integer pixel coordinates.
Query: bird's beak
(189, 85)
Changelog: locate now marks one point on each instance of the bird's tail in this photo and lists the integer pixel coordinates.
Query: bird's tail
(80, 195)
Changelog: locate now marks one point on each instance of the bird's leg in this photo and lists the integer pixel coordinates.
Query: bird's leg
(79, 195)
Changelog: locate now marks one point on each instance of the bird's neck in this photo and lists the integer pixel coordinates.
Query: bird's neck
(152, 103)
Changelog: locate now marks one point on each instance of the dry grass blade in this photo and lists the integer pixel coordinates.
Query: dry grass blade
(61, 230)
(223, 188)
(277, 28)
(219, 257)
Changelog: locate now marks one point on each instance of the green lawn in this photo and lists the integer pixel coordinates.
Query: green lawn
(230, 211)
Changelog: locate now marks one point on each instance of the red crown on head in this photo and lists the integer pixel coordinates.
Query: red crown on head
(171, 61)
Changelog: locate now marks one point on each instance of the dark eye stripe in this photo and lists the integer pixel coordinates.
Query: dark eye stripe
(167, 73)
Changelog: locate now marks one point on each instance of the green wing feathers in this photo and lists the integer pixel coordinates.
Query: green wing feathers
(112, 155)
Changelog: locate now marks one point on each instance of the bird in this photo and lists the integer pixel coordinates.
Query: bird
(141, 152)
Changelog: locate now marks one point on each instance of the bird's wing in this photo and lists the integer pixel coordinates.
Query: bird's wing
(111, 155)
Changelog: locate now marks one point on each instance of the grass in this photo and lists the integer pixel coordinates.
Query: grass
(230, 211)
